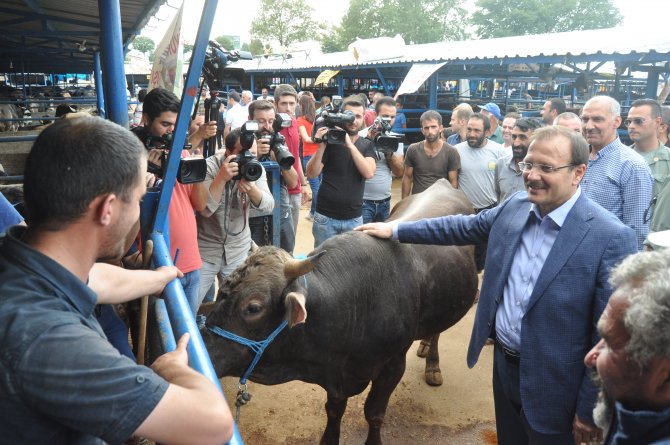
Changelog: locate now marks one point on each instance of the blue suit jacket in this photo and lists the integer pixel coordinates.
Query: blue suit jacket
(571, 292)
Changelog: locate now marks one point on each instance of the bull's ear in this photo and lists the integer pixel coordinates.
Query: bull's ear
(296, 312)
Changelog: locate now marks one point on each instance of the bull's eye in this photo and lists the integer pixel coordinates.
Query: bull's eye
(254, 308)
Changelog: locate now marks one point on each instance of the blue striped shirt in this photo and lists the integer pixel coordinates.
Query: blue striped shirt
(620, 181)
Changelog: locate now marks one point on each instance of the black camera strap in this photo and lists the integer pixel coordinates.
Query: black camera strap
(245, 208)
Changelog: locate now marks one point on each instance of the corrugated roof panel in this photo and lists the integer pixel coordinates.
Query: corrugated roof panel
(46, 36)
(611, 41)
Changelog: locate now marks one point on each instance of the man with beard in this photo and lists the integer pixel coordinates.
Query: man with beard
(508, 178)
(632, 359)
(617, 177)
(224, 237)
(431, 159)
(643, 122)
(479, 156)
(260, 223)
(345, 168)
(63, 382)
(543, 293)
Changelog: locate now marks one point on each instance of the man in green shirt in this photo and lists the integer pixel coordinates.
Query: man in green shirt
(643, 122)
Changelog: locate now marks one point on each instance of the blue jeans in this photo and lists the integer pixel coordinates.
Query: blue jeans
(191, 284)
(314, 184)
(376, 211)
(325, 227)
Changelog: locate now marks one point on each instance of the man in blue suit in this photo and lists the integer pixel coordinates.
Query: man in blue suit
(551, 249)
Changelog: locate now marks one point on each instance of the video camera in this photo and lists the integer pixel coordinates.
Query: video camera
(249, 167)
(278, 142)
(215, 70)
(384, 140)
(191, 170)
(332, 120)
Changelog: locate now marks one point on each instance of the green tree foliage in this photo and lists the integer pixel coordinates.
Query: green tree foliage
(226, 42)
(144, 44)
(503, 18)
(284, 22)
(188, 47)
(425, 21)
(255, 47)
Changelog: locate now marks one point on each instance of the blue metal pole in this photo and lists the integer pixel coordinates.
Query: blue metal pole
(98, 87)
(432, 92)
(272, 169)
(179, 312)
(111, 41)
(384, 84)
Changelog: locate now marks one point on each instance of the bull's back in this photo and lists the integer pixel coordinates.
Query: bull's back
(440, 199)
(447, 275)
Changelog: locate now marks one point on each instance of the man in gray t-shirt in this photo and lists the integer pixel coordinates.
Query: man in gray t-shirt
(377, 192)
(479, 156)
(478, 164)
(431, 159)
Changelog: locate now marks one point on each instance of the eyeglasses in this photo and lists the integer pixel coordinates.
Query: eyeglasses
(548, 169)
(638, 121)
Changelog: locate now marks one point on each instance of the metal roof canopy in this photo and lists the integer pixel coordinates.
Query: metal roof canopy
(624, 46)
(56, 36)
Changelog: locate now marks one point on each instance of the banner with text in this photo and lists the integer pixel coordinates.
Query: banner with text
(169, 59)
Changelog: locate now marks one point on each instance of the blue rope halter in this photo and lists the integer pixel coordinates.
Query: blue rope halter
(257, 346)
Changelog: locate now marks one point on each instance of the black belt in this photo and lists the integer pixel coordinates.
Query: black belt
(379, 201)
(486, 208)
(511, 355)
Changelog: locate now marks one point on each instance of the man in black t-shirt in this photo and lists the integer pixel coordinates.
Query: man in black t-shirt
(345, 169)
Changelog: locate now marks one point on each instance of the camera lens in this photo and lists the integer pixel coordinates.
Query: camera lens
(253, 171)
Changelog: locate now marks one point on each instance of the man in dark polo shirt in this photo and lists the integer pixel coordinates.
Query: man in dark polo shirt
(345, 169)
(63, 382)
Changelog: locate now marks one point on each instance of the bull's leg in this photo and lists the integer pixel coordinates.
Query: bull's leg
(424, 346)
(378, 398)
(335, 408)
(433, 373)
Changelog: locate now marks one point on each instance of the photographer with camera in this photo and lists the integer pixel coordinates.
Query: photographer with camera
(159, 117)
(346, 161)
(224, 237)
(260, 223)
(389, 160)
(285, 101)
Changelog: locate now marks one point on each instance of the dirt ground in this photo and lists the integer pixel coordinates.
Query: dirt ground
(460, 412)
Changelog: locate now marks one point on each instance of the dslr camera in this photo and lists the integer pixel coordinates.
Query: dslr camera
(332, 119)
(249, 167)
(384, 140)
(278, 142)
(190, 170)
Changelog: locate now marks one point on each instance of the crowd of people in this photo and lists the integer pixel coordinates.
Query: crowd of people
(561, 208)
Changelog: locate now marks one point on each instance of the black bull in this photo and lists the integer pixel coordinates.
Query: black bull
(354, 307)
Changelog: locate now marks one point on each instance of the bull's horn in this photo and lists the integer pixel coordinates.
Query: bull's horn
(296, 268)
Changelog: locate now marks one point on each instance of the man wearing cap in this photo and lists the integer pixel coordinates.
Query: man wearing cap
(236, 115)
(492, 112)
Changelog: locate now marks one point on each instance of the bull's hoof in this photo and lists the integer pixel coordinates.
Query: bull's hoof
(434, 377)
(423, 349)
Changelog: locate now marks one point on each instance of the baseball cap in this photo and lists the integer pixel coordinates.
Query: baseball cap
(493, 109)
